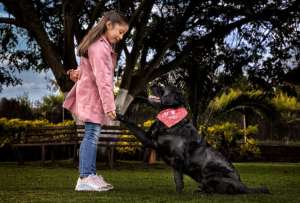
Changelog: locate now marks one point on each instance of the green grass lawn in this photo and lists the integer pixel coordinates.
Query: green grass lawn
(135, 182)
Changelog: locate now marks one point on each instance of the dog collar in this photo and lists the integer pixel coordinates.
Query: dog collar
(171, 117)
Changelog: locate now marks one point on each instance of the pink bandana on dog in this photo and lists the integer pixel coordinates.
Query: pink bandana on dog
(172, 116)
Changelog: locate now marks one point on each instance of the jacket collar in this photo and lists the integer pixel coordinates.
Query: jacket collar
(104, 39)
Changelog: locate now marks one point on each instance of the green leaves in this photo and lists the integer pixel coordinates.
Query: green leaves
(237, 100)
(231, 140)
(284, 102)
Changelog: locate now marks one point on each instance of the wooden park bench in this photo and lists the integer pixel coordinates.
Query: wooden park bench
(50, 137)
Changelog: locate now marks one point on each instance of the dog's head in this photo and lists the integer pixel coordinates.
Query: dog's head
(170, 96)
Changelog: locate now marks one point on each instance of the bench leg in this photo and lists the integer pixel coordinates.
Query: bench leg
(69, 148)
(43, 154)
(110, 157)
(146, 154)
(18, 156)
(52, 154)
(75, 155)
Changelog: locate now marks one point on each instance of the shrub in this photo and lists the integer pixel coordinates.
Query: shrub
(11, 128)
(232, 141)
(132, 149)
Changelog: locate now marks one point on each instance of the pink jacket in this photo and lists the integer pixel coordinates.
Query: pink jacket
(92, 95)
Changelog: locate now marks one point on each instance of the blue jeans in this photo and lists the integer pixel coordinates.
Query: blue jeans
(88, 149)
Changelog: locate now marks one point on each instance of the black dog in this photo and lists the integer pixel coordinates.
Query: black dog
(180, 146)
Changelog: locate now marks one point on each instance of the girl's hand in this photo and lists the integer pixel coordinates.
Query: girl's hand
(112, 115)
(74, 74)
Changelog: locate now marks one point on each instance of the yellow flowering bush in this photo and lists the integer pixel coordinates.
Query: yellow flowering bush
(284, 102)
(231, 140)
(148, 123)
(9, 128)
(125, 149)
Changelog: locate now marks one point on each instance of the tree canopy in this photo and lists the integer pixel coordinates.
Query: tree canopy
(213, 42)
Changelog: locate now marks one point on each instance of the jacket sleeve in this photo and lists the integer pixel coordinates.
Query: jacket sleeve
(79, 70)
(103, 70)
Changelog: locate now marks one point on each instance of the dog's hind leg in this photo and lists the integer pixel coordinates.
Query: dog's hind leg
(178, 178)
(234, 186)
(223, 185)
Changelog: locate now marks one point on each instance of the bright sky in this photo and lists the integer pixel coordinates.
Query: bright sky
(34, 84)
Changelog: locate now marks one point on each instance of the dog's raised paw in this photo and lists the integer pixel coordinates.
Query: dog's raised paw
(120, 117)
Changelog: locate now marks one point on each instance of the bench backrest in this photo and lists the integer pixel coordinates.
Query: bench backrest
(70, 134)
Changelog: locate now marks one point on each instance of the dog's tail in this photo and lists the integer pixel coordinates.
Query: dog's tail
(262, 189)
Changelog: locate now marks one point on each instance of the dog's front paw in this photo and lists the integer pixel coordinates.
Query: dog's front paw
(120, 117)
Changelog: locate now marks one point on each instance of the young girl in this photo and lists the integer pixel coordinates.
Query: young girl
(92, 99)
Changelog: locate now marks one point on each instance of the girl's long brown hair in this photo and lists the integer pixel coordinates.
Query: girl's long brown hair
(99, 29)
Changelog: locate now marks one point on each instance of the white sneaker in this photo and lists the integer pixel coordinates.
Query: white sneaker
(90, 183)
(102, 182)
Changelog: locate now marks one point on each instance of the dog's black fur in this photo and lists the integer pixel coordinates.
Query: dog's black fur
(182, 148)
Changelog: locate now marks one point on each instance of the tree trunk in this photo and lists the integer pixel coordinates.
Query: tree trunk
(245, 126)
(123, 101)
(152, 157)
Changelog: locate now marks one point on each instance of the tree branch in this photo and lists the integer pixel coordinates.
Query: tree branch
(219, 32)
(26, 13)
(11, 21)
(140, 33)
(134, 18)
(205, 42)
(181, 23)
(138, 39)
(70, 13)
(97, 11)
